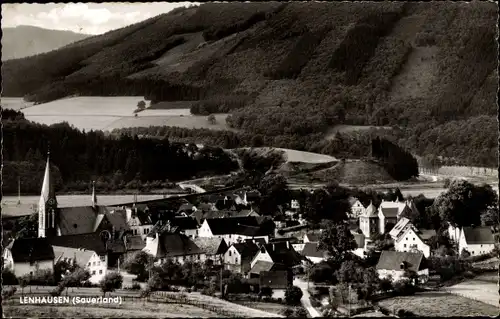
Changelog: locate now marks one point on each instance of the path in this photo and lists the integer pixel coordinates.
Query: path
(305, 298)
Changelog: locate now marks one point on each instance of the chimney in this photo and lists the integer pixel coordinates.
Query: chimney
(287, 244)
(273, 246)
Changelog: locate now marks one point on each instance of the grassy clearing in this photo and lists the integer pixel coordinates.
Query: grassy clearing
(264, 306)
(14, 103)
(299, 156)
(440, 304)
(352, 128)
(482, 288)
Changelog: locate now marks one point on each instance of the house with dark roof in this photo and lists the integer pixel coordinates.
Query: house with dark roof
(279, 253)
(311, 238)
(312, 252)
(413, 239)
(236, 229)
(357, 208)
(213, 249)
(476, 240)
(239, 256)
(86, 259)
(277, 280)
(26, 256)
(400, 228)
(187, 225)
(168, 243)
(396, 264)
(360, 249)
(390, 212)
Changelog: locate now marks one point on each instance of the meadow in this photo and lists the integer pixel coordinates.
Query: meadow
(439, 304)
(483, 288)
(14, 103)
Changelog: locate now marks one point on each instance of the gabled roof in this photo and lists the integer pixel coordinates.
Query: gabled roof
(312, 237)
(187, 207)
(389, 212)
(79, 220)
(370, 211)
(260, 266)
(312, 250)
(257, 241)
(400, 227)
(80, 256)
(278, 279)
(134, 243)
(392, 260)
(290, 239)
(248, 226)
(360, 240)
(426, 234)
(184, 223)
(478, 235)
(91, 241)
(31, 249)
(246, 249)
(211, 246)
(175, 244)
(283, 253)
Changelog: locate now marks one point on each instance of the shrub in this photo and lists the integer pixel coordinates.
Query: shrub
(404, 288)
(8, 292)
(293, 294)
(135, 286)
(265, 292)
(111, 282)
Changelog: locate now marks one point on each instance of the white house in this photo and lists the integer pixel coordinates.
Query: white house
(360, 249)
(213, 249)
(414, 240)
(277, 280)
(294, 204)
(140, 223)
(357, 208)
(86, 259)
(476, 240)
(278, 253)
(238, 256)
(400, 228)
(237, 229)
(368, 221)
(311, 238)
(27, 256)
(395, 263)
(312, 252)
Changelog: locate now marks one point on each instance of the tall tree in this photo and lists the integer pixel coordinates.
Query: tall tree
(337, 239)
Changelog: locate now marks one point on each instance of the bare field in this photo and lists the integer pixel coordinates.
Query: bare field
(440, 304)
(299, 156)
(264, 306)
(187, 121)
(482, 288)
(14, 103)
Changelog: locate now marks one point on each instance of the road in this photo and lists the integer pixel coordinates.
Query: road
(305, 298)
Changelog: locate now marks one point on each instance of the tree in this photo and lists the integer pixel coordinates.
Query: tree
(26, 227)
(23, 282)
(141, 105)
(265, 292)
(8, 277)
(77, 277)
(111, 282)
(464, 202)
(293, 294)
(137, 264)
(337, 239)
(490, 217)
(211, 119)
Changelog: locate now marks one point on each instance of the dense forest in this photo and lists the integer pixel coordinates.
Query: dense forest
(289, 72)
(80, 157)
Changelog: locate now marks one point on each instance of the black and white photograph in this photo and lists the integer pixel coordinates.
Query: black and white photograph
(250, 159)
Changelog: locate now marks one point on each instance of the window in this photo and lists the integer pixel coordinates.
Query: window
(89, 263)
(229, 253)
(413, 238)
(93, 264)
(236, 259)
(100, 271)
(103, 258)
(144, 231)
(404, 245)
(406, 238)
(93, 272)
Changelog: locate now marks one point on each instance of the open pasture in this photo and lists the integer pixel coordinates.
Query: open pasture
(483, 288)
(440, 304)
(14, 103)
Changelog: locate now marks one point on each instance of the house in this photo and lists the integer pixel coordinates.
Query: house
(387, 217)
(261, 266)
(86, 259)
(311, 238)
(277, 280)
(133, 244)
(239, 256)
(187, 225)
(476, 240)
(412, 239)
(213, 249)
(357, 208)
(396, 263)
(360, 240)
(400, 228)
(312, 252)
(168, 243)
(278, 253)
(186, 208)
(138, 221)
(294, 204)
(28, 255)
(237, 229)
(368, 221)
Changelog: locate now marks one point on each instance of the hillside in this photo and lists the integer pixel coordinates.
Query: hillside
(291, 72)
(24, 41)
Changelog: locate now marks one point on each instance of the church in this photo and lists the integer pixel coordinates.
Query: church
(105, 230)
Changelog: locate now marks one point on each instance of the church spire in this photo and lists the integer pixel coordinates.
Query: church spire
(47, 202)
(94, 197)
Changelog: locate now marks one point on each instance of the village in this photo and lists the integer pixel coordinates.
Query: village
(220, 245)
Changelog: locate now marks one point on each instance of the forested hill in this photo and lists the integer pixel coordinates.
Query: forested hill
(23, 41)
(291, 71)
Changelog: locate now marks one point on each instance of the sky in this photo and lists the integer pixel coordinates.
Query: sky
(89, 18)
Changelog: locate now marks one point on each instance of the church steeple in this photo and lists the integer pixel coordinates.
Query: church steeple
(47, 204)
(94, 197)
